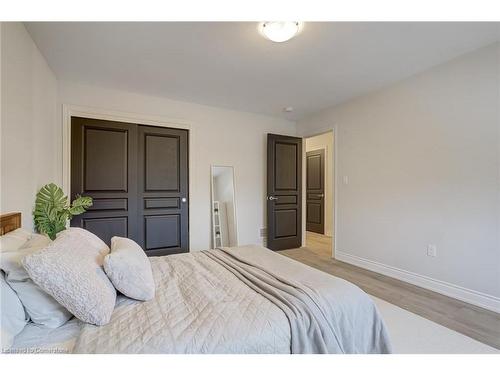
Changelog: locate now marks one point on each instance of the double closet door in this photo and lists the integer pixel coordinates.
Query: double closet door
(138, 178)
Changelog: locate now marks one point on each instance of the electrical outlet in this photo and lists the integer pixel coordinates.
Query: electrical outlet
(345, 180)
(431, 250)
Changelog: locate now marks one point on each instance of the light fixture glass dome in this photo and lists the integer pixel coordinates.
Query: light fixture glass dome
(280, 31)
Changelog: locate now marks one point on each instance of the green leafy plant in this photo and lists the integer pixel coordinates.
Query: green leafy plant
(52, 210)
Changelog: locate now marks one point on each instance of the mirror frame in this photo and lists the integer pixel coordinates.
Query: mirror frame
(212, 241)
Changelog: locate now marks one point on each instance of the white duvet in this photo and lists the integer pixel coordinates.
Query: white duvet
(201, 307)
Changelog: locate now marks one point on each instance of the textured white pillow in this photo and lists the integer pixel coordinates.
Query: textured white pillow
(14, 240)
(41, 307)
(89, 236)
(128, 267)
(70, 270)
(13, 317)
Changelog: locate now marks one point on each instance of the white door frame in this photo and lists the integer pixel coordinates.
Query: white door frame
(70, 110)
(332, 155)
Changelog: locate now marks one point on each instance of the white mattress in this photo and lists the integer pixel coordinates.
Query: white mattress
(35, 339)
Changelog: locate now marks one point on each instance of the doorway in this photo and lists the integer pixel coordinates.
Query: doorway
(319, 193)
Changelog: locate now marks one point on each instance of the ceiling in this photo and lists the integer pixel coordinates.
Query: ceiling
(229, 64)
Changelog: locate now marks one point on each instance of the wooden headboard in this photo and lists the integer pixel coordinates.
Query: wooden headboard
(9, 222)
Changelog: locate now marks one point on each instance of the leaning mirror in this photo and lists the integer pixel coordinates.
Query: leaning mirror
(224, 231)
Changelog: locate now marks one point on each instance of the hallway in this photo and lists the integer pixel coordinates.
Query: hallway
(319, 244)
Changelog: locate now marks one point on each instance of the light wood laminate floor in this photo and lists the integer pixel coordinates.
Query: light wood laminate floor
(478, 323)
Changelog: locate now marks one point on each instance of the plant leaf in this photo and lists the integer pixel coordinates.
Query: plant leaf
(44, 220)
(80, 205)
(52, 211)
(53, 195)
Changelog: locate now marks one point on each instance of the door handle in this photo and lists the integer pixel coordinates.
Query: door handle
(272, 198)
(321, 195)
(183, 199)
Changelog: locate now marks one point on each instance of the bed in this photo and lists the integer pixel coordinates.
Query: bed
(244, 299)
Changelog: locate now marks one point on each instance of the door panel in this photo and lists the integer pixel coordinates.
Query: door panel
(105, 228)
(106, 159)
(314, 212)
(162, 203)
(138, 177)
(284, 192)
(103, 166)
(285, 223)
(285, 177)
(100, 204)
(163, 190)
(162, 165)
(315, 195)
(162, 232)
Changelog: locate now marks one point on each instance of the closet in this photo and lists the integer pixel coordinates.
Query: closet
(138, 178)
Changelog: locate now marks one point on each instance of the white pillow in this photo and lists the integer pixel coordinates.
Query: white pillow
(36, 240)
(70, 270)
(14, 240)
(129, 269)
(13, 317)
(95, 241)
(41, 307)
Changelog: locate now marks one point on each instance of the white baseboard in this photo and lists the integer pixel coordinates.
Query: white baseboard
(467, 295)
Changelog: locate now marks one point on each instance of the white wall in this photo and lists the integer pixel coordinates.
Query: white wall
(423, 163)
(219, 137)
(29, 129)
(325, 141)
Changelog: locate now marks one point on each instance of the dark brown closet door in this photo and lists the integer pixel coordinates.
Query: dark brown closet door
(284, 192)
(163, 190)
(103, 166)
(138, 178)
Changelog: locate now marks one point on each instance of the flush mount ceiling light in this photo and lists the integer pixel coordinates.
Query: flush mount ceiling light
(280, 31)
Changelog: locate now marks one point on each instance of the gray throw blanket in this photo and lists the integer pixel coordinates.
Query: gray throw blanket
(311, 331)
(315, 322)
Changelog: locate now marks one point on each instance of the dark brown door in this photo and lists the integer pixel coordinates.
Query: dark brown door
(163, 190)
(103, 165)
(284, 192)
(315, 191)
(137, 176)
